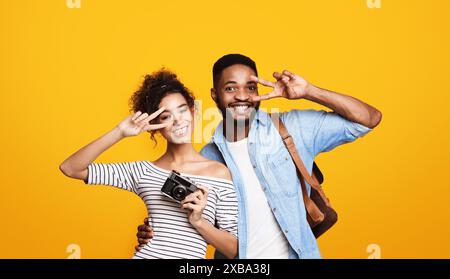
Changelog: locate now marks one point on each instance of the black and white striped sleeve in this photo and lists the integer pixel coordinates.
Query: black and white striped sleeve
(227, 211)
(121, 175)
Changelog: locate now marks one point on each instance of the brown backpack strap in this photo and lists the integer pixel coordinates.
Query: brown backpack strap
(313, 211)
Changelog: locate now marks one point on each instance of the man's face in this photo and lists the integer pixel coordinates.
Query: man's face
(233, 92)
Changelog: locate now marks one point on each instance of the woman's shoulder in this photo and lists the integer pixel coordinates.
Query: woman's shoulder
(217, 170)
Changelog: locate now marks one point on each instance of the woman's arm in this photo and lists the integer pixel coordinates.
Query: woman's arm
(223, 241)
(76, 166)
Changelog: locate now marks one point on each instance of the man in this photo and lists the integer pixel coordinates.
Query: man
(272, 217)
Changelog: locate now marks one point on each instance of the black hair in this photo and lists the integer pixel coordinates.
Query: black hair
(230, 60)
(154, 88)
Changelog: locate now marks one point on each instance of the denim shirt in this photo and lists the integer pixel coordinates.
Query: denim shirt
(313, 132)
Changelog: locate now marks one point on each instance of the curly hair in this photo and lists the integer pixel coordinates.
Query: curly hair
(154, 88)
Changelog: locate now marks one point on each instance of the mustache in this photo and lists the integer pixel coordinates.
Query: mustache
(241, 104)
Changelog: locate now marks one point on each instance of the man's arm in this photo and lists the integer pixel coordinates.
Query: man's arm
(346, 106)
(294, 87)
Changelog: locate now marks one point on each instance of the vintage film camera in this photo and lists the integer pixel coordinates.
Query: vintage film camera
(177, 187)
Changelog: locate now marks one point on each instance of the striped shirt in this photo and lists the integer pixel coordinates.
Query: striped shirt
(174, 237)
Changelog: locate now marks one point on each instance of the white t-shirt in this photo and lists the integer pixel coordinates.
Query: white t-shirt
(265, 238)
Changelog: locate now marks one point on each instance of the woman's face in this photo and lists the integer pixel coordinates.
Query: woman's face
(180, 118)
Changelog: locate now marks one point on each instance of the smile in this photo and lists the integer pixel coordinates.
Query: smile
(240, 109)
(180, 132)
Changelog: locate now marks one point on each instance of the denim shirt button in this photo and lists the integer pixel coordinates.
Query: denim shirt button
(286, 231)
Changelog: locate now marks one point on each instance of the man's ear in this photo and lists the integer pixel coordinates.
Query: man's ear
(214, 94)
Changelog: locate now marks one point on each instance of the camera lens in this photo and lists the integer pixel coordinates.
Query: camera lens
(179, 192)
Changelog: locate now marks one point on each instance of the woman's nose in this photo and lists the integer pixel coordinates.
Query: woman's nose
(176, 119)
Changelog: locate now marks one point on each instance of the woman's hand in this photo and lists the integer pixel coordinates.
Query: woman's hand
(222, 240)
(196, 203)
(76, 166)
(139, 122)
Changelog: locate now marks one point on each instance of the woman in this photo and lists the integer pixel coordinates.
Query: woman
(183, 230)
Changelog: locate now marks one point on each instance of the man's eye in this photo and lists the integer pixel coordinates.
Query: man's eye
(229, 89)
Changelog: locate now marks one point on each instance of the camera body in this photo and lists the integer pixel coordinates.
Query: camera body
(177, 187)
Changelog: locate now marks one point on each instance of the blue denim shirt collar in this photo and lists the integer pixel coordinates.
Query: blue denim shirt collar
(260, 118)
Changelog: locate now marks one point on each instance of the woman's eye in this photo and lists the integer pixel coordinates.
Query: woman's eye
(183, 110)
(165, 117)
(252, 88)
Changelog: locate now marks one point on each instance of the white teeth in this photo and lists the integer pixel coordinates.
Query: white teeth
(240, 109)
(181, 131)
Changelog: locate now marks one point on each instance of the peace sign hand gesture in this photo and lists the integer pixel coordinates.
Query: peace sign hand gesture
(288, 85)
(139, 122)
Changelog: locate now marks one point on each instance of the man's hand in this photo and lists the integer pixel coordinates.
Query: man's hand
(144, 234)
(288, 85)
(293, 87)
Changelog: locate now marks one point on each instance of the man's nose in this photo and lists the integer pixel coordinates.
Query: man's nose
(242, 95)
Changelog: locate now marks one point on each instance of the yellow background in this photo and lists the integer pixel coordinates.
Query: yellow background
(66, 76)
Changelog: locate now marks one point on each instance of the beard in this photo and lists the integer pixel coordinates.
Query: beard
(226, 114)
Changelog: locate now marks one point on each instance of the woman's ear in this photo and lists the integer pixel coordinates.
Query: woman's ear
(196, 110)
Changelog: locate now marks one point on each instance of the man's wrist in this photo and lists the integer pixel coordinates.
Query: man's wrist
(310, 92)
